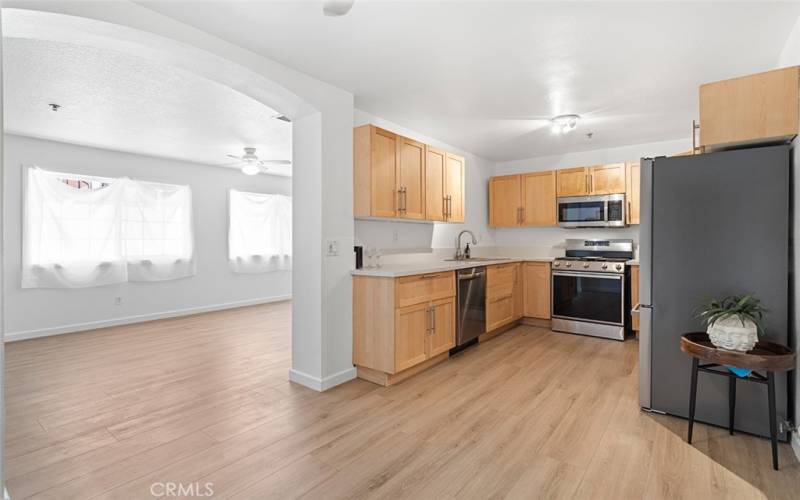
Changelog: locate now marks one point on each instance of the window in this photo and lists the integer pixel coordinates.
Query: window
(81, 231)
(259, 232)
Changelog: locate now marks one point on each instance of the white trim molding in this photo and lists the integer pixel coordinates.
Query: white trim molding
(796, 444)
(127, 320)
(322, 385)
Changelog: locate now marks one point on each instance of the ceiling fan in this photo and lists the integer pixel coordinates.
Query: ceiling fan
(250, 163)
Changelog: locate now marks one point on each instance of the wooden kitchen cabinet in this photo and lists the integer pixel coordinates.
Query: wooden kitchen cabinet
(402, 325)
(454, 187)
(410, 336)
(410, 178)
(504, 201)
(374, 173)
(536, 289)
(398, 177)
(572, 181)
(518, 292)
(635, 297)
(759, 108)
(435, 199)
(633, 190)
(442, 335)
(539, 198)
(607, 179)
(500, 300)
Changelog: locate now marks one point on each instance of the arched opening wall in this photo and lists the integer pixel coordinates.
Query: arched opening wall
(322, 117)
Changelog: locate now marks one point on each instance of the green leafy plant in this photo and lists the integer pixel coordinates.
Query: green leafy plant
(743, 307)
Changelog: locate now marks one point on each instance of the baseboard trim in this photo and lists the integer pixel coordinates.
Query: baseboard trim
(127, 320)
(322, 385)
(796, 444)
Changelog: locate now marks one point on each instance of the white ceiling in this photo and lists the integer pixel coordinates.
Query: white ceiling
(473, 74)
(121, 102)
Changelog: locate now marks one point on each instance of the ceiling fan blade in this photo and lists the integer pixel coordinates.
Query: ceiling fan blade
(275, 162)
(234, 157)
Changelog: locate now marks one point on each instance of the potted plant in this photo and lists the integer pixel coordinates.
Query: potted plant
(733, 322)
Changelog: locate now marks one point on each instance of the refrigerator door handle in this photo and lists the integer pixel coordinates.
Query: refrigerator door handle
(645, 332)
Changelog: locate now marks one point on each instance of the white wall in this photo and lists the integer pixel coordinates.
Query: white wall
(34, 312)
(790, 56)
(394, 236)
(554, 236)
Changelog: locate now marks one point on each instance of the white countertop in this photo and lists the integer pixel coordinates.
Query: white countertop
(633, 262)
(396, 270)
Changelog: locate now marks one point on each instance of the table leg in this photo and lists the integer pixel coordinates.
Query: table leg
(731, 401)
(773, 433)
(692, 398)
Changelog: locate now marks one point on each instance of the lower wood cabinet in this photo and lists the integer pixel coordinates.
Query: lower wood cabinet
(635, 298)
(501, 302)
(402, 324)
(536, 283)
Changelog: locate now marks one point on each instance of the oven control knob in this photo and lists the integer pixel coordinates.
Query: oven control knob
(569, 264)
(585, 265)
(618, 267)
(604, 266)
(556, 263)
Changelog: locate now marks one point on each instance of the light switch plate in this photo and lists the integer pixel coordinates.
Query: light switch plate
(331, 248)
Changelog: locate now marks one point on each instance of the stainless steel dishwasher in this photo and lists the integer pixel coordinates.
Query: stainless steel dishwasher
(471, 306)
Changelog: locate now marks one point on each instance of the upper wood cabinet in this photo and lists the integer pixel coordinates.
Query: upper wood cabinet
(374, 173)
(764, 107)
(539, 199)
(536, 289)
(434, 184)
(504, 201)
(454, 188)
(394, 176)
(572, 181)
(607, 179)
(410, 178)
(523, 200)
(633, 190)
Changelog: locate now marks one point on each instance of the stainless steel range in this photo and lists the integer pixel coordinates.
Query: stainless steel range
(590, 291)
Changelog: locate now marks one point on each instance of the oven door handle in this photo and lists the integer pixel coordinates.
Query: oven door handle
(608, 276)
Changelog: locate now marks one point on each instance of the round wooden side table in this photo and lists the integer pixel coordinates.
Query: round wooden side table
(765, 356)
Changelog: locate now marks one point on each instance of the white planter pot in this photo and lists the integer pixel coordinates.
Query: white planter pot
(729, 334)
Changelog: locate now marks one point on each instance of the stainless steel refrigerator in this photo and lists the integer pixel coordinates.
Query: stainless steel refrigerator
(711, 225)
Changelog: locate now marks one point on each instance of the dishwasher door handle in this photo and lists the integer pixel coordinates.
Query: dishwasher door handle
(467, 277)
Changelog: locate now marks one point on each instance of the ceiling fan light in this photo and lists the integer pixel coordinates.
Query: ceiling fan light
(564, 123)
(250, 169)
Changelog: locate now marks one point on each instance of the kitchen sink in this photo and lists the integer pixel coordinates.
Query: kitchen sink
(477, 259)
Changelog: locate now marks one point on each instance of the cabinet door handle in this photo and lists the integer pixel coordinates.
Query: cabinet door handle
(444, 207)
(449, 206)
(433, 320)
(522, 215)
(428, 276)
(428, 320)
(586, 183)
(628, 215)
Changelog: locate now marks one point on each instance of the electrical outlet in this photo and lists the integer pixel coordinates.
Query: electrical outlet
(332, 247)
(117, 301)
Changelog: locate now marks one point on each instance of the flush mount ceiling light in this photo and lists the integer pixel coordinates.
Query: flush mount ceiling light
(562, 124)
(251, 165)
(336, 8)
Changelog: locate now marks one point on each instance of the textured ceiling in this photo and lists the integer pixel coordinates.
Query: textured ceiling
(121, 102)
(476, 74)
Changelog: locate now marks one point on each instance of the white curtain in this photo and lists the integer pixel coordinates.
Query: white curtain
(125, 231)
(157, 231)
(259, 232)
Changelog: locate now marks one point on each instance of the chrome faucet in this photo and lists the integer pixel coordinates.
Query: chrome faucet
(459, 254)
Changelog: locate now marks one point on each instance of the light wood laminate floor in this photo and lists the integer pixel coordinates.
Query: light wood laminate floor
(205, 399)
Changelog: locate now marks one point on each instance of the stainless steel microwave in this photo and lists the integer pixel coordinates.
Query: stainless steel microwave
(592, 211)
